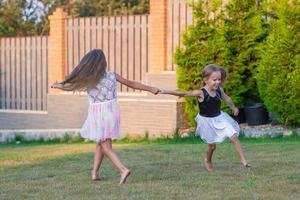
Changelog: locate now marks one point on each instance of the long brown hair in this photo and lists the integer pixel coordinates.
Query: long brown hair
(88, 72)
(208, 70)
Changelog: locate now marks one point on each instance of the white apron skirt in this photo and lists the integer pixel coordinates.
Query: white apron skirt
(216, 129)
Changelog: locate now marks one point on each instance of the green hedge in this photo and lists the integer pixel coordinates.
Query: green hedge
(202, 44)
(279, 68)
(230, 39)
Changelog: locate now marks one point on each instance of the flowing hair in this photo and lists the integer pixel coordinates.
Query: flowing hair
(223, 74)
(208, 70)
(90, 70)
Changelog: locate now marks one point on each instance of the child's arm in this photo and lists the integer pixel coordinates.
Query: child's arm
(229, 102)
(194, 93)
(61, 86)
(136, 85)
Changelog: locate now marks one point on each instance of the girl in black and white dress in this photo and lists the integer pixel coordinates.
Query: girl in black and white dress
(213, 125)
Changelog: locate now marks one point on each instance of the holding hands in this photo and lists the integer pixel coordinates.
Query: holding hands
(155, 90)
(162, 91)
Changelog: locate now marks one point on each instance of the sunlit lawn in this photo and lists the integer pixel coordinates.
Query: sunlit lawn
(159, 171)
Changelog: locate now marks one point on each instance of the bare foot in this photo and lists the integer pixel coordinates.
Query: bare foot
(124, 176)
(208, 165)
(95, 177)
(246, 164)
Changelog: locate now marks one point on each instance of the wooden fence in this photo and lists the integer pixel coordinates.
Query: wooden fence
(124, 40)
(23, 73)
(180, 15)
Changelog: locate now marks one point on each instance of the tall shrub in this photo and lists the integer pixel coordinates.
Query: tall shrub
(243, 31)
(201, 46)
(279, 69)
(231, 38)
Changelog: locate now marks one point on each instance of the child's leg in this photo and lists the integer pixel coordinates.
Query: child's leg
(239, 150)
(209, 152)
(97, 161)
(107, 149)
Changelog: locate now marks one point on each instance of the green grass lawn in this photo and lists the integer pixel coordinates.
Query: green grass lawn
(159, 171)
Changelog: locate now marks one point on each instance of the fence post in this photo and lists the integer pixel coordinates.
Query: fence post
(57, 47)
(158, 36)
(158, 31)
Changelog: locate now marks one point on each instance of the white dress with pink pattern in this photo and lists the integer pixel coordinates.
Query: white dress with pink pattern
(103, 120)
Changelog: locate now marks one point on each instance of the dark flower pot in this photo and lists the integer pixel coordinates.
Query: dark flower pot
(256, 114)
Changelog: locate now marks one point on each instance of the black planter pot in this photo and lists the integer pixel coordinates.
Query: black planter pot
(256, 114)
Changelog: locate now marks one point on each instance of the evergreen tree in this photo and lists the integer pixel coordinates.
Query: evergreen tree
(30, 17)
(201, 47)
(279, 69)
(13, 19)
(230, 37)
(82, 8)
(243, 31)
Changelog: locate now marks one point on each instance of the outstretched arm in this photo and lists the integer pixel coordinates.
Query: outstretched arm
(194, 93)
(229, 102)
(61, 86)
(136, 85)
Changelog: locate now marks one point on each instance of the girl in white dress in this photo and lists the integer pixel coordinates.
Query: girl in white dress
(103, 120)
(213, 125)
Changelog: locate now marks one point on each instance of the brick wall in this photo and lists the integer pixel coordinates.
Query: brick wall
(140, 113)
(64, 111)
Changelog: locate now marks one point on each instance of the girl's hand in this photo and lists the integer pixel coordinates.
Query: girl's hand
(155, 90)
(57, 85)
(235, 111)
(162, 91)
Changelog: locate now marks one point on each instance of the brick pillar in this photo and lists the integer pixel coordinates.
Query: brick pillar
(158, 36)
(57, 47)
(168, 107)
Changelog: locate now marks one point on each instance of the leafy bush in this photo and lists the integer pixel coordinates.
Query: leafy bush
(279, 69)
(243, 31)
(231, 39)
(201, 46)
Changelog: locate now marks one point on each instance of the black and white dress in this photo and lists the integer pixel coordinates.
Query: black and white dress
(214, 125)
